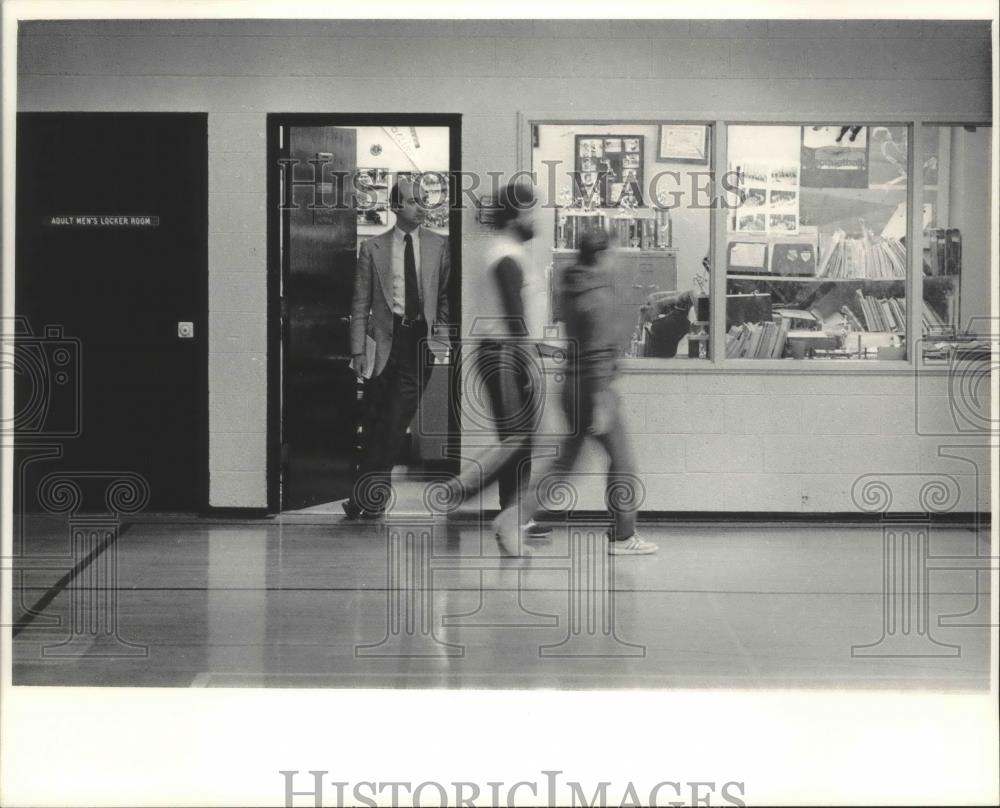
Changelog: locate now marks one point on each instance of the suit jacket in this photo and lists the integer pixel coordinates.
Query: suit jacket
(371, 308)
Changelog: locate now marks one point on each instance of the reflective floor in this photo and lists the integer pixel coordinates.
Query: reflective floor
(307, 600)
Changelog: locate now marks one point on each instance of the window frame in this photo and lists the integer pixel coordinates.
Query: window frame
(717, 361)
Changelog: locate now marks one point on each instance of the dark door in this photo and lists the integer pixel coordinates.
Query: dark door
(112, 258)
(320, 389)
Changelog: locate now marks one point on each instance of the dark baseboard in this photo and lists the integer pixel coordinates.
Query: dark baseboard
(235, 513)
(761, 517)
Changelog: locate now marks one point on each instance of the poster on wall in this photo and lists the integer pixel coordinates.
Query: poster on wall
(888, 148)
(769, 198)
(609, 170)
(783, 199)
(834, 157)
(752, 216)
(371, 198)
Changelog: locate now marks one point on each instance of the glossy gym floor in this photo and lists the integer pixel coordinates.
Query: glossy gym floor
(308, 600)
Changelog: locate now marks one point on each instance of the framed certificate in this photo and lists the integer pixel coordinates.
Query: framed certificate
(683, 143)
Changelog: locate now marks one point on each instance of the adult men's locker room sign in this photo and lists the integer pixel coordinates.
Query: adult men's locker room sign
(102, 221)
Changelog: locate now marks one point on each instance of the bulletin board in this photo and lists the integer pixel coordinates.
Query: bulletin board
(609, 170)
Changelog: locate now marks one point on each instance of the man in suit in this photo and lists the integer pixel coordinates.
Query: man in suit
(400, 298)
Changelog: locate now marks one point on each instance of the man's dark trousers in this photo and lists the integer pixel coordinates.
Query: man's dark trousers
(390, 402)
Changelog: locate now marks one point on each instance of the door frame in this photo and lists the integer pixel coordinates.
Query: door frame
(275, 347)
(200, 249)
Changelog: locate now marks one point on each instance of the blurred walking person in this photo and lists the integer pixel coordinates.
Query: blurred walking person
(505, 357)
(590, 403)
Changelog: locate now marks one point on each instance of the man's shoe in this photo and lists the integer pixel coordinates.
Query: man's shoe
(533, 530)
(633, 545)
(508, 533)
(352, 511)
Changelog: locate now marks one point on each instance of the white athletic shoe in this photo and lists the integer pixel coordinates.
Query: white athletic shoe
(633, 545)
(509, 536)
(533, 530)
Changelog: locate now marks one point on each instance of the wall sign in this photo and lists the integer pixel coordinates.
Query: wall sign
(102, 220)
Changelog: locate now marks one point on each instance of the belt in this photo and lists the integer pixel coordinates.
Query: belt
(406, 322)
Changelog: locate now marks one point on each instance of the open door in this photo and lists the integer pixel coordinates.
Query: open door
(316, 228)
(320, 389)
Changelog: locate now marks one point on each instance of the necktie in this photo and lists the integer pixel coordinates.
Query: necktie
(412, 295)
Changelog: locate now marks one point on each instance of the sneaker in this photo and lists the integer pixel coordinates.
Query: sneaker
(633, 545)
(509, 534)
(533, 530)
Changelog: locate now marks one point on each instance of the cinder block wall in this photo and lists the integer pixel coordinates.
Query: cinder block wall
(705, 440)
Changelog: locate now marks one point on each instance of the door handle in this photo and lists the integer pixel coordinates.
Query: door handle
(185, 330)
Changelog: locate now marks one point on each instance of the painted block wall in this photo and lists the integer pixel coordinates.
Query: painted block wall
(706, 440)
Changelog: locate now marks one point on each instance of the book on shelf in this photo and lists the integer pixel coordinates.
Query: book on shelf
(887, 315)
(852, 320)
(879, 314)
(764, 340)
(773, 338)
(865, 256)
(932, 321)
(756, 334)
(779, 344)
(898, 307)
(770, 339)
(736, 341)
(942, 251)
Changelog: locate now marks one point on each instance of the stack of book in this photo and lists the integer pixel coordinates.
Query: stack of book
(865, 256)
(882, 314)
(757, 340)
